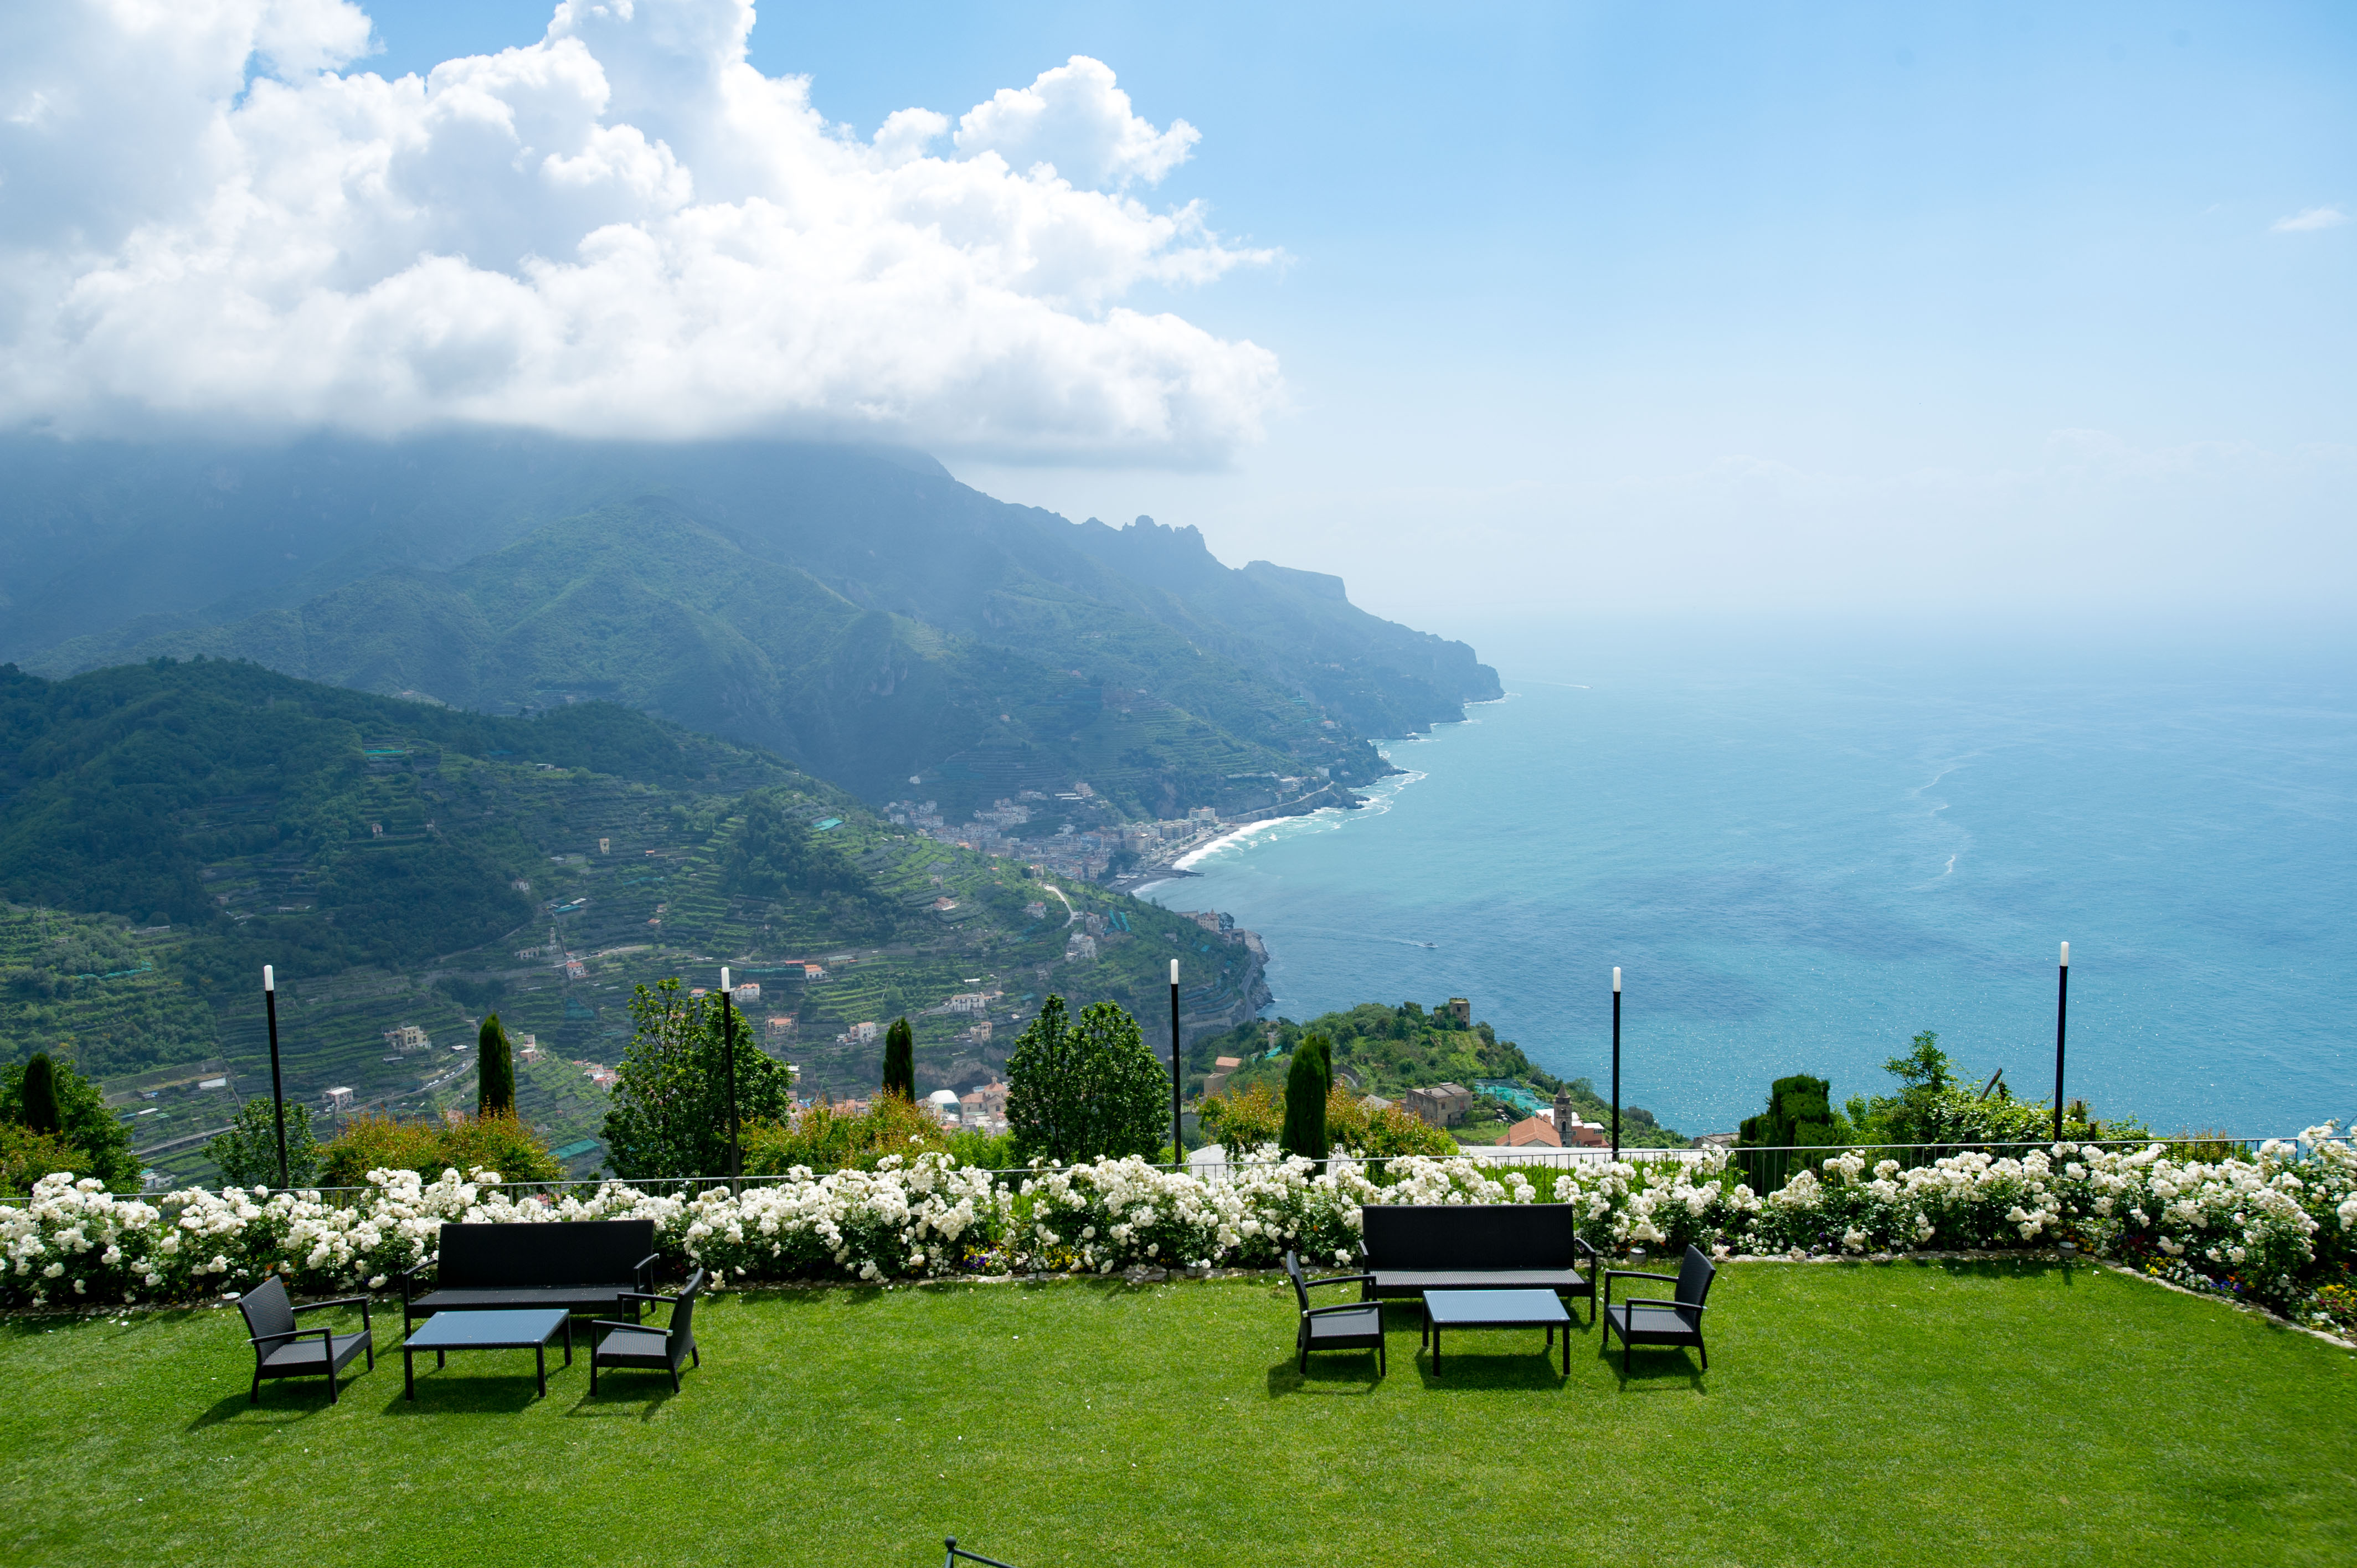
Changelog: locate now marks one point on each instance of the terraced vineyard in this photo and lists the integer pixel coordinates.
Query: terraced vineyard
(567, 885)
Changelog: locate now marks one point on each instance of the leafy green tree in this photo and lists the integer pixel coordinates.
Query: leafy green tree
(669, 1114)
(248, 1153)
(1308, 1083)
(495, 1070)
(81, 1117)
(900, 1060)
(1079, 1089)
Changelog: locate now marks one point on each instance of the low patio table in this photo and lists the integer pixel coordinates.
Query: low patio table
(524, 1330)
(1495, 1309)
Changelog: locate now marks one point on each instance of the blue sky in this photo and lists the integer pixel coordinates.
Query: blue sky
(1714, 308)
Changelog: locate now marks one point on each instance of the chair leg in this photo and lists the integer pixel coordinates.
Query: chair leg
(696, 1356)
(1706, 1352)
(332, 1383)
(593, 1373)
(256, 1396)
(674, 1380)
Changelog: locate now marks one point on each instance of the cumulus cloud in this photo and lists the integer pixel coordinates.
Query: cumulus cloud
(2307, 222)
(206, 214)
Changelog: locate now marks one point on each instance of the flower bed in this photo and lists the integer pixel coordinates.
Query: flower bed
(2280, 1229)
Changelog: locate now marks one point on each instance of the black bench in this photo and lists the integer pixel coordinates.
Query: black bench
(581, 1265)
(1412, 1247)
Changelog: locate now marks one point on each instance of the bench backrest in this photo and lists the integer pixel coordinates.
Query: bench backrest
(557, 1252)
(1470, 1236)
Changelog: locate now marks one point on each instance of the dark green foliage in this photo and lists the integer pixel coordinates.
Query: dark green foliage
(900, 1060)
(1308, 1082)
(1078, 1088)
(40, 1094)
(248, 1153)
(773, 856)
(669, 1114)
(1935, 1107)
(495, 1070)
(1800, 1114)
(81, 1116)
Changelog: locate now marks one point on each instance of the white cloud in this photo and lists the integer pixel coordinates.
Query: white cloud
(622, 228)
(2309, 221)
(1074, 120)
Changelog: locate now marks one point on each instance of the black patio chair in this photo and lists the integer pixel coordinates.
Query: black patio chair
(1643, 1321)
(644, 1345)
(282, 1350)
(1354, 1325)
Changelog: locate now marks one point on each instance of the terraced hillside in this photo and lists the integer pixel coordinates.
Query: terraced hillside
(407, 868)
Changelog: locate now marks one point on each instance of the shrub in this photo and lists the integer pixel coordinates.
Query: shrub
(1243, 1120)
(26, 1156)
(1383, 1134)
(248, 1153)
(372, 1143)
(824, 1139)
(501, 1143)
(900, 1060)
(38, 1094)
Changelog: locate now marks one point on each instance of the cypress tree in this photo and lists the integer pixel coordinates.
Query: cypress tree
(900, 1060)
(1308, 1082)
(40, 1095)
(495, 1070)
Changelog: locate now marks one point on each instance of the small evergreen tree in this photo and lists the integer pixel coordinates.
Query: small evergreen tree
(900, 1060)
(39, 1093)
(495, 1070)
(1308, 1082)
(248, 1153)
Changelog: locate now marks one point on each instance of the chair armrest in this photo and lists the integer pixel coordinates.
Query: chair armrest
(1341, 1280)
(1633, 1274)
(1329, 1311)
(1655, 1301)
(326, 1336)
(642, 1295)
(642, 1271)
(359, 1301)
(635, 1327)
(1584, 1245)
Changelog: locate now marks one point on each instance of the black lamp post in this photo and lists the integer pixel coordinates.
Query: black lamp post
(1616, 1063)
(728, 1059)
(277, 1096)
(1177, 1142)
(2062, 1015)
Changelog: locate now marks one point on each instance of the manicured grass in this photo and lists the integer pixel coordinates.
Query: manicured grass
(1908, 1412)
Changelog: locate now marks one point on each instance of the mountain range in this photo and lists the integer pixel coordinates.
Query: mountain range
(857, 611)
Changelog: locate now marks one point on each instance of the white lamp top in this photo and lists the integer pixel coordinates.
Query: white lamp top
(2066, 955)
(269, 981)
(1173, 972)
(723, 977)
(1616, 977)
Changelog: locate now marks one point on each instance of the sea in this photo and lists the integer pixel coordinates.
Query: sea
(1799, 857)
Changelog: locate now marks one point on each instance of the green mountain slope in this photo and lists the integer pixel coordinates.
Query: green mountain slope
(109, 553)
(167, 829)
(643, 605)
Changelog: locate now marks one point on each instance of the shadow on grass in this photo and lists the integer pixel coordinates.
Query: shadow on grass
(1656, 1369)
(1332, 1375)
(444, 1390)
(624, 1394)
(296, 1405)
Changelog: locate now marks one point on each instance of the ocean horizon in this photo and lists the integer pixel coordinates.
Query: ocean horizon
(1799, 865)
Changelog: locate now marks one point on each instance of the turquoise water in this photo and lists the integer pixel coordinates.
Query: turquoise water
(1798, 869)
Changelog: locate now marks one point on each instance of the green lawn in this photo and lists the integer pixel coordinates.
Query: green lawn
(1909, 1413)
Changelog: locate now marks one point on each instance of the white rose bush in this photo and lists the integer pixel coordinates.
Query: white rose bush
(2280, 1228)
